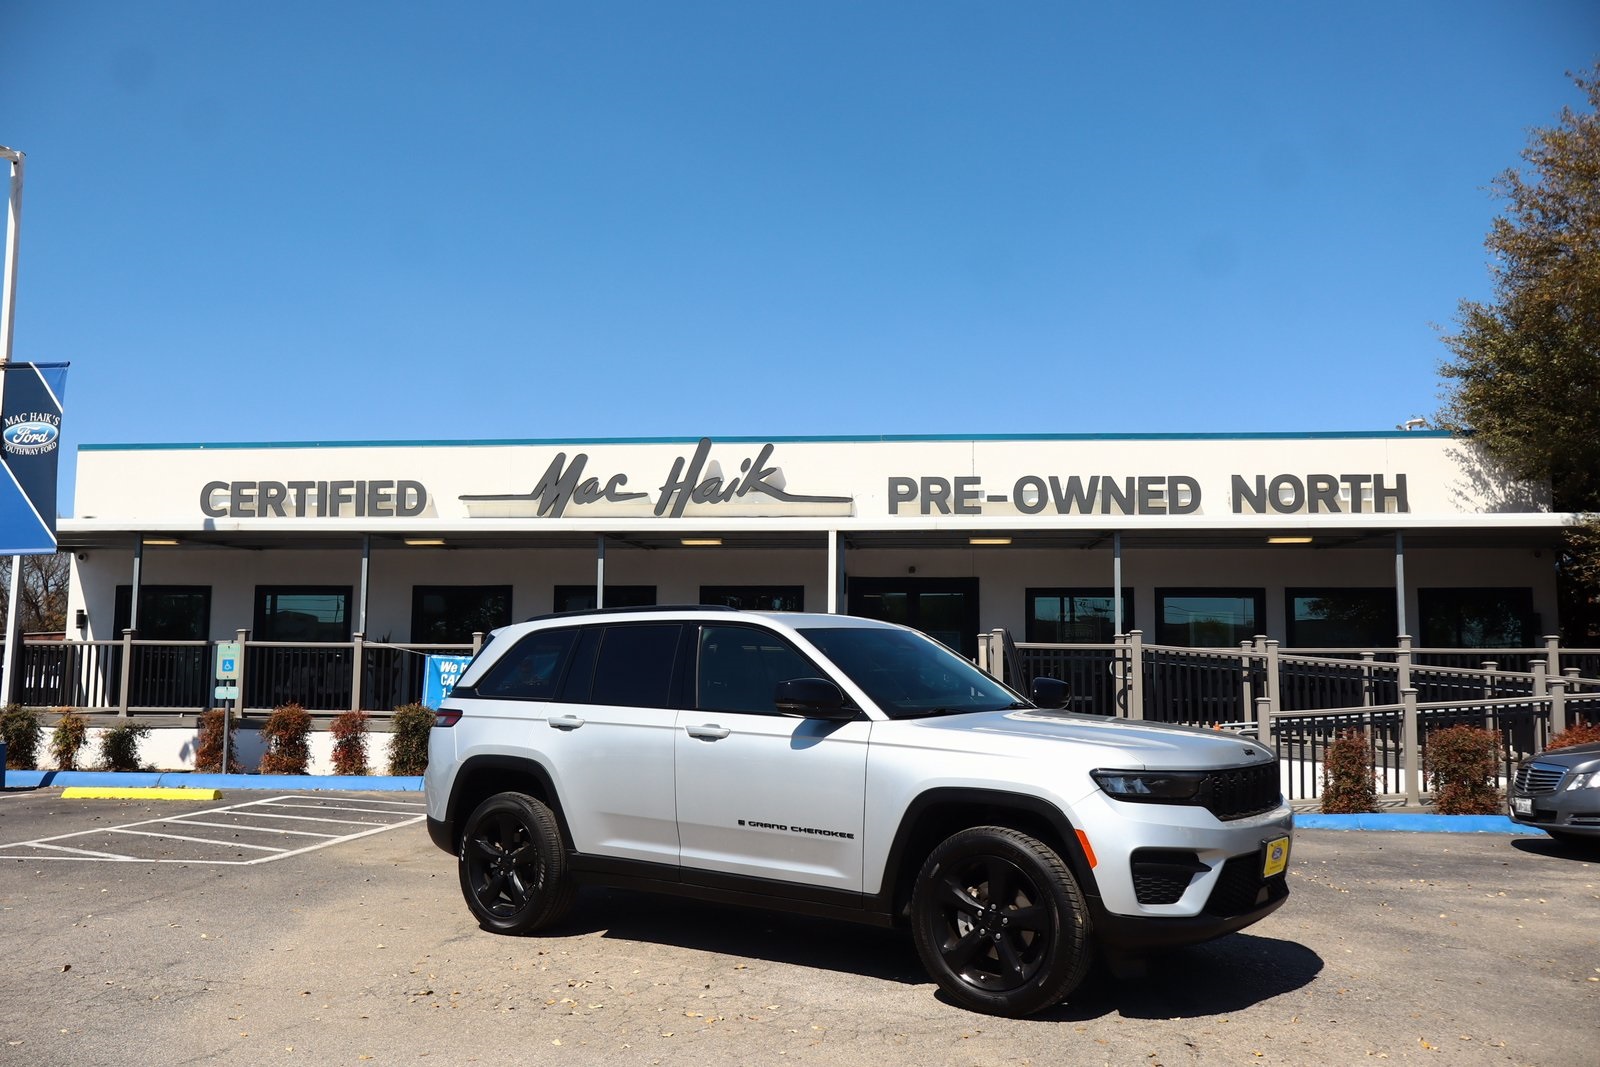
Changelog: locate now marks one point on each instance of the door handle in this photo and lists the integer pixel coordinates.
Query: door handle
(708, 732)
(566, 722)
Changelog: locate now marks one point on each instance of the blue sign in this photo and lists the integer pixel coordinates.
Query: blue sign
(30, 438)
(441, 676)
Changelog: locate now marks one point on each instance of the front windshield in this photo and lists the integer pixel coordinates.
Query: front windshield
(909, 675)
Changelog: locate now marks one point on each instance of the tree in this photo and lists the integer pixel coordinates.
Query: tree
(1524, 379)
(42, 598)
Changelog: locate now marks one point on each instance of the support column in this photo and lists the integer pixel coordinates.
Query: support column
(1116, 582)
(9, 667)
(600, 571)
(836, 587)
(366, 571)
(1400, 581)
(138, 565)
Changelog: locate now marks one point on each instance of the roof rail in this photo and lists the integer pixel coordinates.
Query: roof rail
(629, 610)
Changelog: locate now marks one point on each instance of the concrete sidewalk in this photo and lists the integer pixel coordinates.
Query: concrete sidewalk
(189, 780)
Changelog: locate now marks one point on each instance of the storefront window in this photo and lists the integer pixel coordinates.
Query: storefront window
(581, 597)
(302, 613)
(1075, 616)
(451, 614)
(1342, 618)
(1209, 618)
(166, 612)
(1478, 618)
(755, 597)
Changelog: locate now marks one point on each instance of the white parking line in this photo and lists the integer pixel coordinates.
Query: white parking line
(251, 829)
(251, 809)
(197, 840)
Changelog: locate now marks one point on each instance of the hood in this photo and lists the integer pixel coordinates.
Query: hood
(1572, 756)
(1124, 743)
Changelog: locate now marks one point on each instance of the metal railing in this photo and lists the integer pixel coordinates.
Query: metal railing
(1300, 701)
(134, 676)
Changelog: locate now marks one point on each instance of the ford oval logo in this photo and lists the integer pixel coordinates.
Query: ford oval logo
(30, 436)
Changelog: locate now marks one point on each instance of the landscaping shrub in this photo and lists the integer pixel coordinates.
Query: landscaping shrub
(208, 746)
(350, 743)
(119, 746)
(1463, 765)
(287, 734)
(67, 740)
(19, 727)
(408, 745)
(1347, 783)
(1580, 734)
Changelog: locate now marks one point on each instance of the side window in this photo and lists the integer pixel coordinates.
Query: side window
(532, 669)
(741, 666)
(634, 667)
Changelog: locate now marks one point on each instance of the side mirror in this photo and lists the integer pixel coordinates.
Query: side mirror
(1049, 692)
(815, 698)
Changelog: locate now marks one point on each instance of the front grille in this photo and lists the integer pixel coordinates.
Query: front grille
(1161, 875)
(1239, 794)
(1538, 778)
(1241, 889)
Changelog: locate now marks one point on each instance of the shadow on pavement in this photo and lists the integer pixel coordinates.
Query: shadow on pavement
(833, 945)
(1560, 850)
(1227, 975)
(1220, 977)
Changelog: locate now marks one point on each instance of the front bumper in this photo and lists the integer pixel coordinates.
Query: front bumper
(1576, 812)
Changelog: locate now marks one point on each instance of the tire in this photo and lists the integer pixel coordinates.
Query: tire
(513, 865)
(1000, 923)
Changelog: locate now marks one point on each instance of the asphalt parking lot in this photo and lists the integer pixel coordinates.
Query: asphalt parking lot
(1442, 948)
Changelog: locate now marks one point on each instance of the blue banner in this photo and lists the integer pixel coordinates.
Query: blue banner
(441, 676)
(30, 446)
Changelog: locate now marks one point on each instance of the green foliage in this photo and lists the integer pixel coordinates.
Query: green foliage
(1463, 768)
(1525, 377)
(350, 743)
(1580, 734)
(19, 727)
(119, 746)
(208, 745)
(287, 734)
(68, 738)
(1347, 782)
(408, 744)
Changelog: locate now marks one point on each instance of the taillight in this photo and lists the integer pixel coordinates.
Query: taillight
(446, 718)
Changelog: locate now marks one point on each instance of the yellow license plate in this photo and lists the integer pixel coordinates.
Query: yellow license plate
(1277, 857)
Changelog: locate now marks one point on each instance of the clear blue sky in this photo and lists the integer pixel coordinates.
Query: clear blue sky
(315, 221)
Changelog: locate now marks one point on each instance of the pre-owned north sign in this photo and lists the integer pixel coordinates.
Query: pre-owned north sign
(1171, 494)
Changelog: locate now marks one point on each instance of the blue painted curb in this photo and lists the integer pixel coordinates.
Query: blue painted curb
(190, 780)
(1416, 823)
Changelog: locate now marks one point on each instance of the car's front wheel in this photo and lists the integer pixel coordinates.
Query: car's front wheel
(513, 865)
(1000, 922)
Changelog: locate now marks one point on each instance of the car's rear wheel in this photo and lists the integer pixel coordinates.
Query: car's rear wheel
(513, 865)
(1000, 923)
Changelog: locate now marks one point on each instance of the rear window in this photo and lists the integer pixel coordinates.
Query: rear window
(532, 669)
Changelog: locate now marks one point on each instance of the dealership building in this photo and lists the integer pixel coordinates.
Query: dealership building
(1315, 539)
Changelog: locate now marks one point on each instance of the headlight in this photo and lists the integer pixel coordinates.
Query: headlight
(1590, 779)
(1152, 787)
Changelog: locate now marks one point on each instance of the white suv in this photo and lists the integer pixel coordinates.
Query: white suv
(848, 768)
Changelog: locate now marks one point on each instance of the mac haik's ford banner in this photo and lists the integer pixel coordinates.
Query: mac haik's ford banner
(30, 445)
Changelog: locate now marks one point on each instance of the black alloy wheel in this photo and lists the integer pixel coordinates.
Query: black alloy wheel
(513, 865)
(1000, 923)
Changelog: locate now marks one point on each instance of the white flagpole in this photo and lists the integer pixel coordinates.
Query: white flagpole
(8, 294)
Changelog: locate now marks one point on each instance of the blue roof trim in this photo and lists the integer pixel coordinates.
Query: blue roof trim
(1344, 435)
